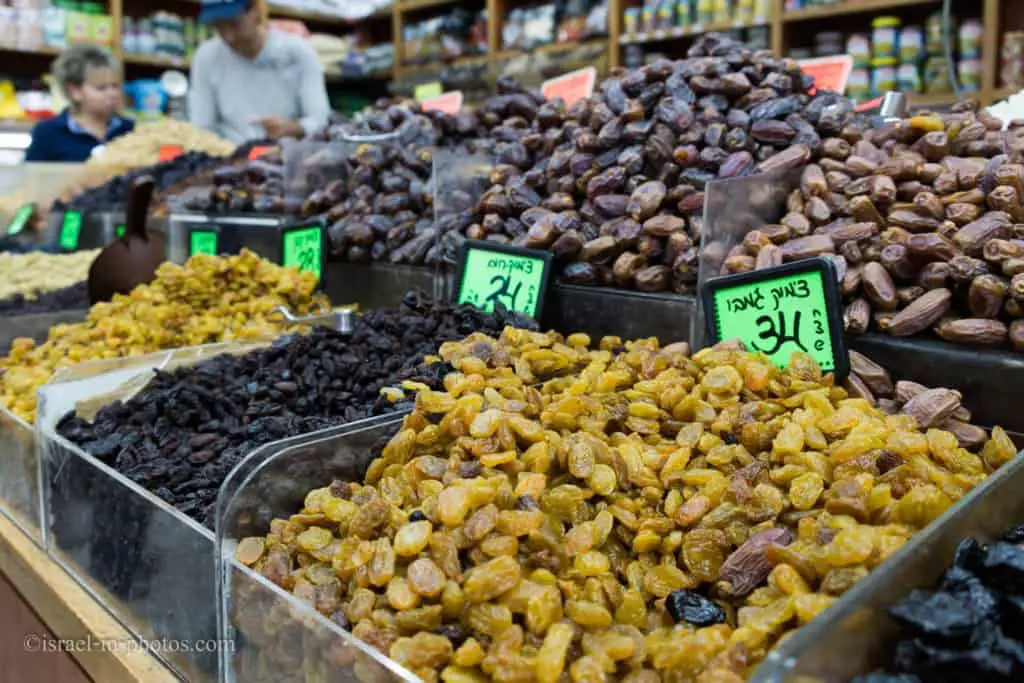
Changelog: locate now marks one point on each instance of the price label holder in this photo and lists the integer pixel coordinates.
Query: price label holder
(70, 230)
(302, 247)
(448, 103)
(428, 91)
(203, 241)
(170, 152)
(119, 231)
(829, 73)
(515, 276)
(258, 151)
(571, 87)
(779, 311)
(20, 219)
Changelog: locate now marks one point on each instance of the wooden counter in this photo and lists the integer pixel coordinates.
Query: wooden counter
(41, 605)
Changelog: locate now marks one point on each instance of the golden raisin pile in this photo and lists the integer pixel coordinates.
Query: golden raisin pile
(517, 529)
(209, 299)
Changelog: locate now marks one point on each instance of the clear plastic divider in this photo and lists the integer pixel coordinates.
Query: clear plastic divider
(732, 208)
(277, 637)
(459, 180)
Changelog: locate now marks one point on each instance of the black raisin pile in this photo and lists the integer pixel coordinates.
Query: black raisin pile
(971, 628)
(183, 433)
(69, 298)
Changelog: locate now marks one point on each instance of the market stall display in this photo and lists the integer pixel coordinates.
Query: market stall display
(207, 300)
(655, 511)
(142, 146)
(26, 278)
(299, 385)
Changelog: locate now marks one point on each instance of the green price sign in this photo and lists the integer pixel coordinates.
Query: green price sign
(119, 231)
(492, 273)
(303, 248)
(202, 242)
(70, 229)
(779, 311)
(20, 219)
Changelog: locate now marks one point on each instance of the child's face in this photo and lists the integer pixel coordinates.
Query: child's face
(100, 94)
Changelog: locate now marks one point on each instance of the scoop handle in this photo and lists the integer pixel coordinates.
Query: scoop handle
(139, 198)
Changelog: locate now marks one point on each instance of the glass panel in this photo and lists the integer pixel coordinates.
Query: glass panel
(277, 637)
(19, 475)
(732, 208)
(151, 566)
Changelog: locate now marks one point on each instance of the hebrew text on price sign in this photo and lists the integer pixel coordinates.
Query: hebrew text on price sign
(303, 248)
(20, 219)
(202, 241)
(70, 229)
(492, 273)
(779, 311)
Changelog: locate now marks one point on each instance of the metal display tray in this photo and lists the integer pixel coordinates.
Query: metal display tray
(151, 566)
(857, 635)
(35, 325)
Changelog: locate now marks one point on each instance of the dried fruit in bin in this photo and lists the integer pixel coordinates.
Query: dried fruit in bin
(209, 299)
(568, 527)
(186, 429)
(25, 277)
(967, 628)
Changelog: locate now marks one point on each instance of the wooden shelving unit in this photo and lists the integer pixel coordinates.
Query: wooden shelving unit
(849, 8)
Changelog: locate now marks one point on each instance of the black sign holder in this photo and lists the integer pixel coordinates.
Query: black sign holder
(833, 301)
(482, 245)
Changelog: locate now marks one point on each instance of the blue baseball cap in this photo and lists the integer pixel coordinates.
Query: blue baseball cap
(215, 10)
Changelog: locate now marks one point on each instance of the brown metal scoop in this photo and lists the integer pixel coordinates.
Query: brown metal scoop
(130, 260)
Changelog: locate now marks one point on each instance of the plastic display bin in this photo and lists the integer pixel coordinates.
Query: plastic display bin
(278, 638)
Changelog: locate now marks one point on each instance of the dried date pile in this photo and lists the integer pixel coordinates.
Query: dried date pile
(652, 515)
(924, 219)
(971, 628)
(182, 434)
(209, 299)
(620, 199)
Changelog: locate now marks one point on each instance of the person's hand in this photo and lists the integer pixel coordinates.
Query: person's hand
(278, 127)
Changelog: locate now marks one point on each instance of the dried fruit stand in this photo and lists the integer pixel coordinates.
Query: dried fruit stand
(425, 490)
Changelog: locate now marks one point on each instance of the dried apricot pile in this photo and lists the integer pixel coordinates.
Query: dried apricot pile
(645, 516)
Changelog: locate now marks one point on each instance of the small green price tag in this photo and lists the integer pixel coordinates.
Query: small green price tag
(202, 242)
(20, 219)
(427, 90)
(490, 273)
(119, 231)
(70, 228)
(779, 311)
(303, 248)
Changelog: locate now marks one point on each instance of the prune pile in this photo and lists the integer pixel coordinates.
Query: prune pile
(971, 628)
(643, 515)
(66, 299)
(184, 432)
(924, 219)
(620, 199)
(113, 194)
(244, 186)
(209, 299)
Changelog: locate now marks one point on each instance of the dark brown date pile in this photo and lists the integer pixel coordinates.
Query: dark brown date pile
(925, 221)
(619, 201)
(183, 433)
